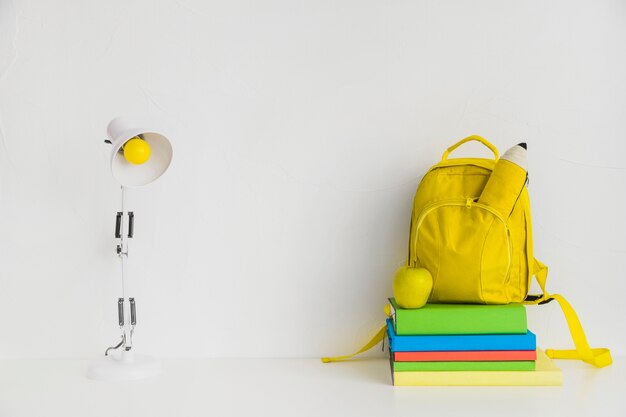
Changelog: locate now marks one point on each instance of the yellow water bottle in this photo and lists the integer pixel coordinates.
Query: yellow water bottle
(506, 181)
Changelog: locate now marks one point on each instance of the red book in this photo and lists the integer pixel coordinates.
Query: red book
(467, 356)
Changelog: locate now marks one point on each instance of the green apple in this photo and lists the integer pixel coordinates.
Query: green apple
(412, 287)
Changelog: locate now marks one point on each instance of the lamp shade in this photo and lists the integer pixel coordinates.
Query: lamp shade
(120, 131)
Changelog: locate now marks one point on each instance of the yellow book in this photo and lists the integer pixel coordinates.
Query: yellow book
(545, 373)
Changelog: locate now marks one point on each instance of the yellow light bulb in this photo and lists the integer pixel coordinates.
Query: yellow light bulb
(136, 151)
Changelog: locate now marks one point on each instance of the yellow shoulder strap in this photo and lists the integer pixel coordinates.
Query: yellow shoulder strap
(377, 338)
(380, 335)
(600, 357)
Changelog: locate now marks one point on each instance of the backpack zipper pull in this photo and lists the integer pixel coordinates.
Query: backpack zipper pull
(469, 202)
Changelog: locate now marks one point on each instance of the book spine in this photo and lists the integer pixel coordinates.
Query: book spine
(467, 321)
(477, 378)
(488, 355)
(455, 343)
(464, 366)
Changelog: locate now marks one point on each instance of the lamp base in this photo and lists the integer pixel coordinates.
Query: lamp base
(125, 367)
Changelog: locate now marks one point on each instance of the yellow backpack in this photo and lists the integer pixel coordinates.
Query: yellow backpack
(475, 253)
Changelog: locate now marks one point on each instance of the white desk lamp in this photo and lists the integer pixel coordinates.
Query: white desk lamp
(138, 157)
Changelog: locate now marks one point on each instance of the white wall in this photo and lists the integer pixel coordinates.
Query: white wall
(301, 130)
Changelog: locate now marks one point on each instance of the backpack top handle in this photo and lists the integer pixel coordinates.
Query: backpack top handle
(477, 138)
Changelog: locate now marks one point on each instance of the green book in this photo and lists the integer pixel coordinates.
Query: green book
(451, 319)
(465, 366)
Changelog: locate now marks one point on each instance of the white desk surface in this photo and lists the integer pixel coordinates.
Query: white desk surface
(294, 387)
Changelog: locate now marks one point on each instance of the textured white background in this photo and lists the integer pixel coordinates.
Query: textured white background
(301, 130)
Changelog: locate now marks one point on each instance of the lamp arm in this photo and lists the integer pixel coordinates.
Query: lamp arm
(126, 312)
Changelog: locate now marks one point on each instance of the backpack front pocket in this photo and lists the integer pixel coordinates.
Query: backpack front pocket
(467, 248)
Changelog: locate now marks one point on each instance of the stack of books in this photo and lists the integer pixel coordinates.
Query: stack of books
(461, 344)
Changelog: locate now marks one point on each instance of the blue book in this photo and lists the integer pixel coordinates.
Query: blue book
(448, 343)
